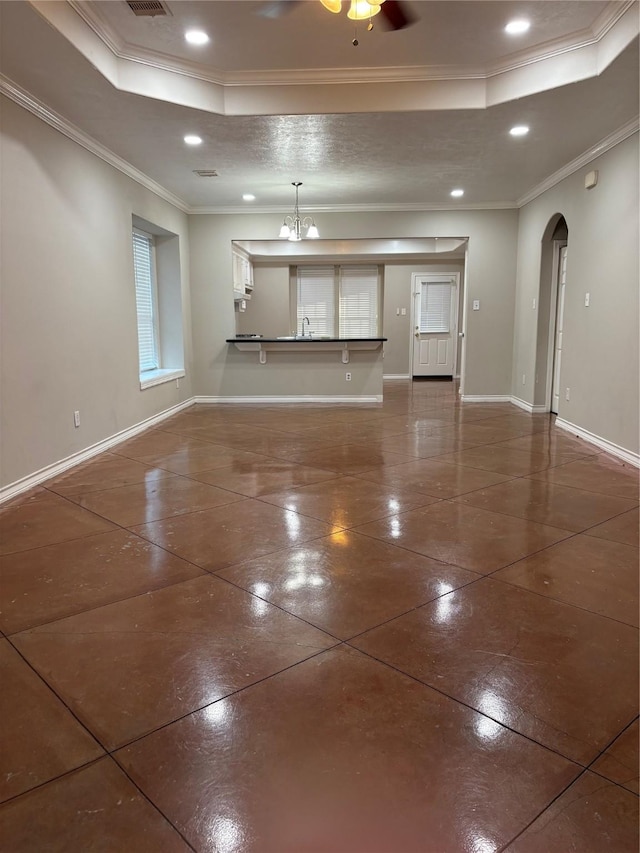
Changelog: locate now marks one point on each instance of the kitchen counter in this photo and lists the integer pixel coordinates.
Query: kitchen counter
(291, 344)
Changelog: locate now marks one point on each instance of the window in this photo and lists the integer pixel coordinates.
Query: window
(435, 306)
(340, 301)
(156, 273)
(146, 300)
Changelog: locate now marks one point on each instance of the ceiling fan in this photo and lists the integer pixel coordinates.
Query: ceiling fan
(394, 14)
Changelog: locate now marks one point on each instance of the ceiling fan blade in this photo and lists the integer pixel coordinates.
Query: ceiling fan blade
(396, 15)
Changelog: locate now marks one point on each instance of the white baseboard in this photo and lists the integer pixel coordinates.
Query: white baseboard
(390, 377)
(26, 483)
(467, 398)
(602, 443)
(294, 398)
(528, 407)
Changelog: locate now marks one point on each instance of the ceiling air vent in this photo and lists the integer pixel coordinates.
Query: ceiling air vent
(206, 173)
(147, 8)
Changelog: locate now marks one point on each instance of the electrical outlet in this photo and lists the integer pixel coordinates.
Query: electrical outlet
(524, 379)
(587, 298)
(533, 304)
(347, 376)
(76, 419)
(404, 312)
(567, 394)
(177, 383)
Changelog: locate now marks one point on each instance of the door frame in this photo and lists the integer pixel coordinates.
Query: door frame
(455, 276)
(553, 319)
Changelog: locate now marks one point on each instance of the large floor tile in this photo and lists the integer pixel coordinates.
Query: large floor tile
(546, 503)
(435, 478)
(596, 474)
(473, 538)
(94, 809)
(49, 583)
(40, 739)
(477, 433)
(341, 753)
(619, 762)
(127, 668)
(264, 476)
(156, 443)
(347, 583)
(590, 817)
(557, 447)
(144, 502)
(421, 445)
(624, 528)
(346, 501)
(219, 537)
(538, 666)
(501, 460)
(203, 457)
(45, 522)
(595, 574)
(351, 458)
(107, 471)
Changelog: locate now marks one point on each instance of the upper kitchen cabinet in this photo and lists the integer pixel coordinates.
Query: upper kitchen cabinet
(242, 274)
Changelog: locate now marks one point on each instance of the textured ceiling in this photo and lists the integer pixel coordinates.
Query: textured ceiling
(369, 159)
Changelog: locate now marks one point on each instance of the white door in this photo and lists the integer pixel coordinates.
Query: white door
(557, 353)
(435, 319)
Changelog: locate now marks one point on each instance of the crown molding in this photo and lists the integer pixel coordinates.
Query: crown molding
(358, 208)
(583, 160)
(586, 38)
(21, 97)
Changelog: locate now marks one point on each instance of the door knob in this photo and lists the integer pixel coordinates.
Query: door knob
(417, 334)
(461, 334)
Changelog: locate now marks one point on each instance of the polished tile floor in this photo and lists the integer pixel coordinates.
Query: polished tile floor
(304, 629)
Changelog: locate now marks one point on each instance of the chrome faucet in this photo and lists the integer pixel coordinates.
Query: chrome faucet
(308, 324)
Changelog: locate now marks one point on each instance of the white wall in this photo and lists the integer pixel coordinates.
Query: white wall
(600, 342)
(69, 335)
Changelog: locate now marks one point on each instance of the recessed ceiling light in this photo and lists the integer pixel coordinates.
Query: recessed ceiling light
(191, 139)
(457, 193)
(514, 28)
(196, 37)
(519, 130)
(248, 197)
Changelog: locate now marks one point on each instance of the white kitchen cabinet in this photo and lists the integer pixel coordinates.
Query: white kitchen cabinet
(242, 275)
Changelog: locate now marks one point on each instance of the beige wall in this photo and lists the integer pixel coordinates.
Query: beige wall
(267, 311)
(490, 276)
(397, 294)
(600, 346)
(69, 336)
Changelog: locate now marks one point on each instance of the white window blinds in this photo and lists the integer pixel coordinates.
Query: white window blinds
(435, 307)
(145, 301)
(358, 302)
(317, 299)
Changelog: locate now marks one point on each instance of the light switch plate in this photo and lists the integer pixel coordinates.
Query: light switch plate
(476, 304)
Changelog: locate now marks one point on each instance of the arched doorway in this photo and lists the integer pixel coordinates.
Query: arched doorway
(553, 272)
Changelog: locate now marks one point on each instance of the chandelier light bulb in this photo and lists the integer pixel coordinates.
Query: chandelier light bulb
(332, 5)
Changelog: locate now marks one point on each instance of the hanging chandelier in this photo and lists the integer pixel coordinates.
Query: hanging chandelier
(292, 225)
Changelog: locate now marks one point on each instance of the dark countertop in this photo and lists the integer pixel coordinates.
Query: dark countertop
(292, 340)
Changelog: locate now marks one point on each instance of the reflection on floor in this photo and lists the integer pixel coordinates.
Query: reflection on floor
(411, 626)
